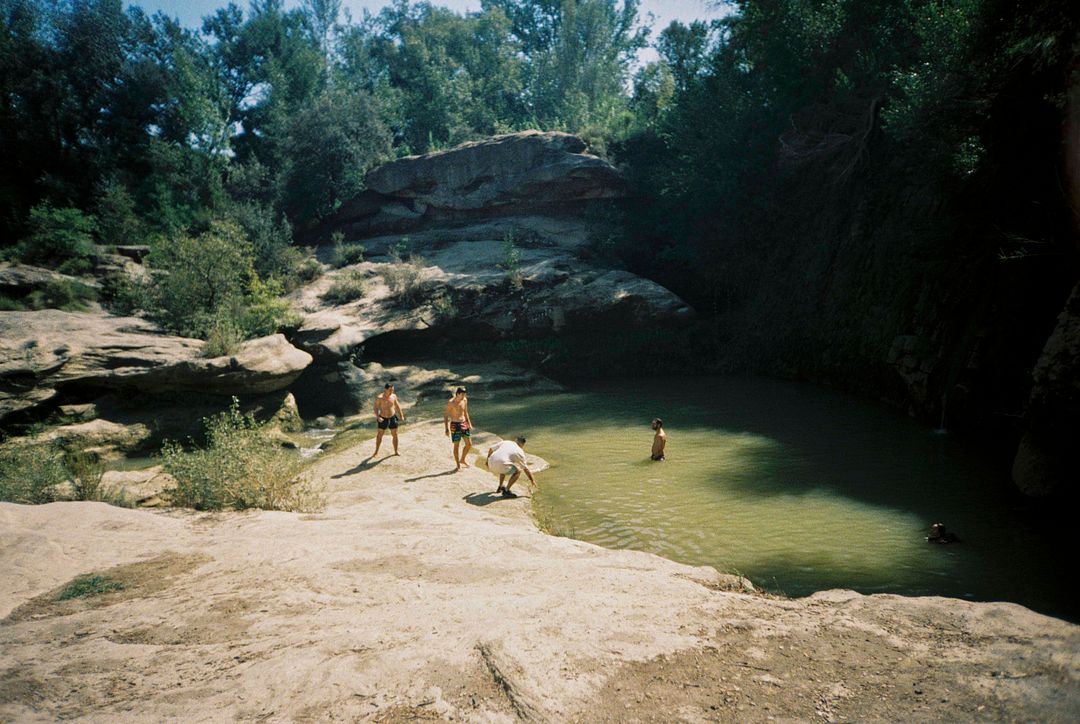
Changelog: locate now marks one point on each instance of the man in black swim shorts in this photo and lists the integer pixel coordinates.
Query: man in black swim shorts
(387, 412)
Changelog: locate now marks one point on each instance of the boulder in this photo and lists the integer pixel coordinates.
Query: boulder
(531, 170)
(468, 284)
(516, 168)
(18, 280)
(108, 439)
(55, 350)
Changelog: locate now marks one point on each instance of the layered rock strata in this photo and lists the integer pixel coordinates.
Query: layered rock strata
(48, 352)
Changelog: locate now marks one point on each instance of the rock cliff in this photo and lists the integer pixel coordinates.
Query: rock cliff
(51, 356)
(487, 242)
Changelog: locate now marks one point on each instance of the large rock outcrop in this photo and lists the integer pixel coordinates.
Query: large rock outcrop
(513, 173)
(49, 352)
(493, 242)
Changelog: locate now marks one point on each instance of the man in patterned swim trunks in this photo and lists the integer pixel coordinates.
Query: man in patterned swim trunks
(387, 411)
(457, 425)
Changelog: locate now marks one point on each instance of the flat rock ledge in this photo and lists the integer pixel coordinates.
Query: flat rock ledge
(418, 594)
(45, 352)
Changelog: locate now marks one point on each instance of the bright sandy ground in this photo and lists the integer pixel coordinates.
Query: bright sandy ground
(418, 594)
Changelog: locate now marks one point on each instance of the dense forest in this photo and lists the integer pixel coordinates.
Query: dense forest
(818, 178)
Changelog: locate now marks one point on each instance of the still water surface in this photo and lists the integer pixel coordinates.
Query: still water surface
(799, 489)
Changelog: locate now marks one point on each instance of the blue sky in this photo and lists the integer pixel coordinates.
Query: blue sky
(191, 12)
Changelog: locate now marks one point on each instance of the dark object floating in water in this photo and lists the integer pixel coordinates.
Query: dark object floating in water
(938, 534)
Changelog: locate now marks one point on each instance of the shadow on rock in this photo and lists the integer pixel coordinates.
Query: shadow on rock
(444, 473)
(365, 464)
(482, 499)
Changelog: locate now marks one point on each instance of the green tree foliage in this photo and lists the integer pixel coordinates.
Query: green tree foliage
(442, 78)
(59, 237)
(577, 58)
(205, 273)
(332, 143)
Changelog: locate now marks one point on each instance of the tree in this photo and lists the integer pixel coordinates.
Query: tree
(331, 145)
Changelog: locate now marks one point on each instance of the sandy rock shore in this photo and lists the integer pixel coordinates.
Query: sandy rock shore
(418, 594)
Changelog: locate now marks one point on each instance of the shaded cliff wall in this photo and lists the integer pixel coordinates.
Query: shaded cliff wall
(932, 293)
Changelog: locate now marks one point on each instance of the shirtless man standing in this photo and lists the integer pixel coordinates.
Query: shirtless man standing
(659, 439)
(387, 411)
(458, 425)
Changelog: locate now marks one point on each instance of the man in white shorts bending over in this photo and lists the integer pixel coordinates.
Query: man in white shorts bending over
(508, 458)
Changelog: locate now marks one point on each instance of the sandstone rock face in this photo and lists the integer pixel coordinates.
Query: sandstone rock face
(1048, 459)
(494, 238)
(17, 280)
(45, 351)
(516, 171)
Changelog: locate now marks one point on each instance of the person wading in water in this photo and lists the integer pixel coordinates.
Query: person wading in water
(458, 425)
(387, 412)
(659, 440)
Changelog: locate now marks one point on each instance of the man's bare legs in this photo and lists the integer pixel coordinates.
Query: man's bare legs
(393, 436)
(378, 440)
(468, 447)
(513, 479)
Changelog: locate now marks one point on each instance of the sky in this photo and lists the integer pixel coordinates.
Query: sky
(191, 12)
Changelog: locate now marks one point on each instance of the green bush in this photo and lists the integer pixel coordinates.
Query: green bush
(405, 280)
(61, 294)
(342, 254)
(347, 286)
(122, 295)
(239, 468)
(223, 337)
(58, 236)
(35, 473)
(309, 270)
(264, 311)
(7, 304)
(31, 473)
(204, 274)
(512, 263)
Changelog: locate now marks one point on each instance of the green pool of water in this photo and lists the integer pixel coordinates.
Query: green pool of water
(799, 489)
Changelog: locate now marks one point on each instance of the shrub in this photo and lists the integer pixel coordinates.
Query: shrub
(87, 471)
(271, 242)
(264, 311)
(31, 473)
(309, 270)
(223, 337)
(342, 254)
(204, 273)
(122, 295)
(405, 280)
(239, 468)
(115, 211)
(70, 296)
(348, 286)
(7, 304)
(58, 236)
